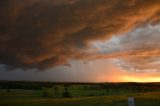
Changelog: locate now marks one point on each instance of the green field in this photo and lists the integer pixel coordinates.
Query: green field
(81, 96)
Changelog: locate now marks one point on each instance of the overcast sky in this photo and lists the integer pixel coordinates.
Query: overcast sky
(80, 40)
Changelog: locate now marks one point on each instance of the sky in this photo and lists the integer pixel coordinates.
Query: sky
(80, 40)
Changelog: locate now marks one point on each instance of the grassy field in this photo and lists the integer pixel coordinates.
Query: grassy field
(80, 97)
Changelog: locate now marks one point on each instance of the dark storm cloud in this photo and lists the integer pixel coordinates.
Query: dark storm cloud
(47, 33)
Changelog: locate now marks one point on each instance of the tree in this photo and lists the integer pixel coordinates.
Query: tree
(55, 88)
(66, 94)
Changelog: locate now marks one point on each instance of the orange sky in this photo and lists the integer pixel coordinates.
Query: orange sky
(124, 76)
(101, 70)
(109, 72)
(42, 35)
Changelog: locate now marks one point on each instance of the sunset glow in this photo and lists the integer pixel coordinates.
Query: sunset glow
(142, 79)
(80, 40)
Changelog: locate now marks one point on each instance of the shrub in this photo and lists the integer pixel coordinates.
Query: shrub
(8, 90)
(90, 95)
(66, 94)
(45, 94)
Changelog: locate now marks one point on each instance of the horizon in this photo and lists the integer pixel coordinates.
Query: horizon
(74, 82)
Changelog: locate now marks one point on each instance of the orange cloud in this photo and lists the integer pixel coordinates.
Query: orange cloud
(43, 34)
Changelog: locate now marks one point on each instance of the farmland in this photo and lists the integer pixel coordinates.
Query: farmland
(106, 94)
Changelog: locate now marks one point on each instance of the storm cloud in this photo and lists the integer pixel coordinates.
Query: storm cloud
(137, 51)
(46, 33)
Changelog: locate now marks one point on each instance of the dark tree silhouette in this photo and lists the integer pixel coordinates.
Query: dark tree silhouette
(66, 94)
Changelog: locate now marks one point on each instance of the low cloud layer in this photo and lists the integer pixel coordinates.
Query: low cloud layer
(46, 33)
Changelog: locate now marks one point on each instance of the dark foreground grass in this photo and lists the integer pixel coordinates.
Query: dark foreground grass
(141, 99)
